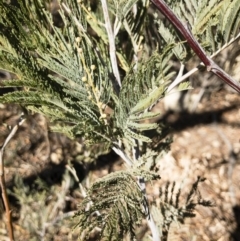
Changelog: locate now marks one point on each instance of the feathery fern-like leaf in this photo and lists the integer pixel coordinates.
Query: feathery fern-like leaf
(214, 23)
(117, 206)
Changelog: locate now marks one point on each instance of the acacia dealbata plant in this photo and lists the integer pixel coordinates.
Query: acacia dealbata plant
(97, 73)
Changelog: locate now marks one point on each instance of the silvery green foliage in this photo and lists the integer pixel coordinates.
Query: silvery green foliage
(215, 24)
(65, 73)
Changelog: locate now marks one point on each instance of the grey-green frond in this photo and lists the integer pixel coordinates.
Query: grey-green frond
(63, 74)
(172, 207)
(214, 23)
(115, 208)
(170, 37)
(123, 7)
(217, 23)
(142, 88)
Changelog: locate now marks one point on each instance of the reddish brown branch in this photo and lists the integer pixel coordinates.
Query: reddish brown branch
(7, 206)
(193, 43)
(2, 180)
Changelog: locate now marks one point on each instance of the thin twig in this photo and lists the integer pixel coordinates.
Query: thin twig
(177, 80)
(181, 78)
(111, 39)
(116, 26)
(82, 190)
(156, 236)
(2, 179)
(73, 172)
(225, 45)
(118, 150)
(193, 43)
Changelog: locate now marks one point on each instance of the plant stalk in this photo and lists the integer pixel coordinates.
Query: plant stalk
(193, 43)
(2, 180)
